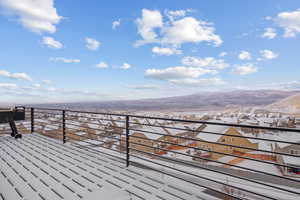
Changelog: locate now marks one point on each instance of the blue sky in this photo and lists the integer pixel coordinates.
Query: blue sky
(58, 51)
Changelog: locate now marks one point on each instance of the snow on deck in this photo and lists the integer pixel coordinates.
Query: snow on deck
(40, 168)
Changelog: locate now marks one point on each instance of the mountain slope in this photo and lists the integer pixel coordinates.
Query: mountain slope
(290, 104)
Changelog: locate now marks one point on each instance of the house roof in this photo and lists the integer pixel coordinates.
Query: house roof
(183, 127)
(152, 129)
(291, 160)
(212, 129)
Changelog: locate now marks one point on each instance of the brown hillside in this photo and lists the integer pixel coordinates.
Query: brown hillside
(290, 104)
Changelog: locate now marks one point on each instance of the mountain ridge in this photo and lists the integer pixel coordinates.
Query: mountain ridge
(198, 101)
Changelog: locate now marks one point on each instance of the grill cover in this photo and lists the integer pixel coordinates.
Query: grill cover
(15, 114)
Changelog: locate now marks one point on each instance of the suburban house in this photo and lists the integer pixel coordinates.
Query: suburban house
(147, 144)
(207, 141)
(157, 142)
(190, 131)
(292, 162)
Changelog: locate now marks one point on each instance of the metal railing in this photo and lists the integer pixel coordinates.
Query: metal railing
(231, 164)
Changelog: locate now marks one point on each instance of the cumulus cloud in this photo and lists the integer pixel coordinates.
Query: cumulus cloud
(125, 66)
(174, 32)
(150, 20)
(207, 62)
(189, 73)
(174, 14)
(290, 22)
(198, 82)
(102, 65)
(184, 76)
(244, 55)
(190, 30)
(37, 16)
(18, 76)
(179, 72)
(166, 51)
(92, 44)
(270, 33)
(245, 69)
(52, 43)
(116, 23)
(65, 60)
(268, 54)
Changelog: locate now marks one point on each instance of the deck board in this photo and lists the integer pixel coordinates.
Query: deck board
(41, 168)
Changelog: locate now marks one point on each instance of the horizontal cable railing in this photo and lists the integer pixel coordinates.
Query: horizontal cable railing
(185, 149)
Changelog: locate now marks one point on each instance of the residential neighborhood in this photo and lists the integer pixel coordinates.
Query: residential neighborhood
(205, 142)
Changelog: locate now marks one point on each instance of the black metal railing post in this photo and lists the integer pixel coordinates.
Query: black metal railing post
(32, 119)
(127, 141)
(64, 125)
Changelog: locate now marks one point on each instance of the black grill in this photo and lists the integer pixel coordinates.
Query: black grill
(9, 115)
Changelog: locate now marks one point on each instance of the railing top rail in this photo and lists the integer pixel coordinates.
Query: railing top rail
(181, 120)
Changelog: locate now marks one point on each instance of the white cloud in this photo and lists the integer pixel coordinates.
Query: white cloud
(292, 85)
(189, 73)
(37, 85)
(268, 54)
(142, 87)
(198, 82)
(47, 82)
(8, 86)
(174, 32)
(290, 22)
(125, 66)
(174, 14)
(244, 55)
(289, 85)
(166, 51)
(270, 33)
(116, 23)
(51, 89)
(184, 76)
(92, 44)
(43, 93)
(245, 69)
(37, 16)
(150, 20)
(189, 30)
(52, 43)
(222, 54)
(65, 60)
(179, 72)
(268, 18)
(208, 62)
(18, 76)
(102, 65)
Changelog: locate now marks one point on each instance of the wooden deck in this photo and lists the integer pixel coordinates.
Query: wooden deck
(37, 167)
